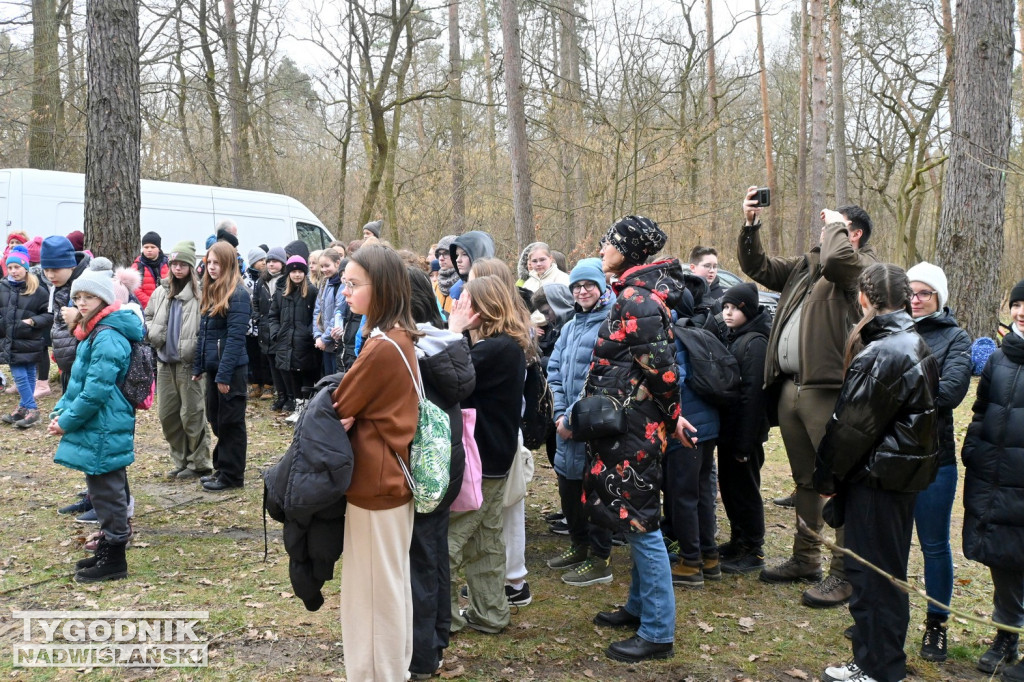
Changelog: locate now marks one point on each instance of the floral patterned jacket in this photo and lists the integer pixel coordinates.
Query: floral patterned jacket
(634, 360)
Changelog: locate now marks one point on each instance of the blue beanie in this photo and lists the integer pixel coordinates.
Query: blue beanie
(57, 252)
(19, 256)
(589, 269)
(210, 241)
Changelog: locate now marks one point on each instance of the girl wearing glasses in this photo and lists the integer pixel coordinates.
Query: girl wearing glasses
(951, 346)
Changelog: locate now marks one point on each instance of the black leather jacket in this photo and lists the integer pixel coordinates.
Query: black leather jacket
(884, 430)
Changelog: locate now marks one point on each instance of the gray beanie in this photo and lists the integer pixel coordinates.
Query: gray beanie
(98, 280)
(374, 227)
(256, 255)
(277, 253)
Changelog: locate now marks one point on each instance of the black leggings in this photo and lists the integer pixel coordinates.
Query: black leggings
(297, 380)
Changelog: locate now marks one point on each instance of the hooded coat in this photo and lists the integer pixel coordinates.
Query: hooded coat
(951, 347)
(263, 301)
(993, 457)
(745, 426)
(634, 361)
(477, 245)
(291, 329)
(61, 338)
(98, 421)
(21, 343)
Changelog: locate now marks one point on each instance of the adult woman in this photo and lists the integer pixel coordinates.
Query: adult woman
(221, 356)
(500, 340)
(933, 510)
(542, 268)
(878, 452)
(587, 561)
(993, 457)
(634, 361)
(172, 319)
(378, 404)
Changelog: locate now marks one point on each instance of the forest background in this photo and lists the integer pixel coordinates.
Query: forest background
(401, 110)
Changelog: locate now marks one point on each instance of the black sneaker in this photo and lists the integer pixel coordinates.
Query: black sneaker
(520, 597)
(76, 508)
(1002, 651)
(731, 550)
(933, 645)
(278, 404)
(289, 406)
(560, 527)
(751, 562)
(554, 516)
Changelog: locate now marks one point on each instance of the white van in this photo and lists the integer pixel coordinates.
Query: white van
(40, 202)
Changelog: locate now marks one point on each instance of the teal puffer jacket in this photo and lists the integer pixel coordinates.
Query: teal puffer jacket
(98, 421)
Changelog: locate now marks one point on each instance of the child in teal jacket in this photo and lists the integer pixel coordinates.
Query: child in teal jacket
(95, 420)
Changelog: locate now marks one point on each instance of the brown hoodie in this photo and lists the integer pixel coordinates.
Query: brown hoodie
(380, 394)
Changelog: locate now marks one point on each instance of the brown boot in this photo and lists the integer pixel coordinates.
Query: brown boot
(832, 591)
(267, 393)
(688, 573)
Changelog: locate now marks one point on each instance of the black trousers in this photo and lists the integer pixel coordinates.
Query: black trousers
(226, 414)
(582, 532)
(280, 388)
(878, 528)
(431, 591)
(259, 366)
(740, 485)
(689, 489)
(296, 381)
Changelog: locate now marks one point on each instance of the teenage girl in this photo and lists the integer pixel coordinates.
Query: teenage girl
(291, 328)
(326, 309)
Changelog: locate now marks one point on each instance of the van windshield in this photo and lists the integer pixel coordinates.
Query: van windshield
(316, 239)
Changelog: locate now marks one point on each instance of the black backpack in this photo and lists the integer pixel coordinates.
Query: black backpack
(139, 380)
(539, 406)
(714, 371)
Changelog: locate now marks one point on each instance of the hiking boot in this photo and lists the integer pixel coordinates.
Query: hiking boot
(173, 473)
(14, 417)
(42, 389)
(593, 571)
(110, 564)
(83, 505)
(848, 632)
(570, 558)
(254, 392)
(520, 597)
(750, 562)
(789, 501)
(933, 644)
(30, 418)
(1013, 673)
(712, 568)
(832, 591)
(688, 573)
(619, 540)
(1002, 651)
(790, 571)
(212, 476)
(267, 393)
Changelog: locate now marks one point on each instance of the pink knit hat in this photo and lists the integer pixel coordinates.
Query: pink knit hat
(296, 263)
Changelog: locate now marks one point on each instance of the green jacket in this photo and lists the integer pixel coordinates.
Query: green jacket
(98, 421)
(824, 280)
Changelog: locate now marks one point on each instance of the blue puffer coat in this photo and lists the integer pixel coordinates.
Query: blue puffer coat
(98, 421)
(704, 417)
(567, 372)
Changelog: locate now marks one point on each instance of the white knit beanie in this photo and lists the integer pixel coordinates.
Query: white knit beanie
(98, 280)
(933, 276)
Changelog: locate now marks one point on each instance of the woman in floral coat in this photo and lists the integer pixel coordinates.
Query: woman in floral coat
(634, 361)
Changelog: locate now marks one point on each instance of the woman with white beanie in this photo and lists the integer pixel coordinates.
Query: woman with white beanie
(951, 346)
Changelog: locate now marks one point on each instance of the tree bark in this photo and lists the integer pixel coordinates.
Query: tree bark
(522, 198)
(971, 229)
(492, 145)
(774, 216)
(569, 74)
(210, 90)
(238, 102)
(803, 200)
(458, 160)
(838, 102)
(113, 127)
(819, 113)
(44, 133)
(709, 26)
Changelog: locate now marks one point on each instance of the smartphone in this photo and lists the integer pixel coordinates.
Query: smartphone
(763, 196)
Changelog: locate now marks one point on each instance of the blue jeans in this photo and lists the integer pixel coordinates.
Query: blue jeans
(25, 380)
(650, 588)
(932, 516)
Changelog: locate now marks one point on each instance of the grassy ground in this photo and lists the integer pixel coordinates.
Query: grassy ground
(197, 551)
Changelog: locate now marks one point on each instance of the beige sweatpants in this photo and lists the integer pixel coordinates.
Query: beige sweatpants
(376, 594)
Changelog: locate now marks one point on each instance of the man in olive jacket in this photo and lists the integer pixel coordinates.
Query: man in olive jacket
(803, 366)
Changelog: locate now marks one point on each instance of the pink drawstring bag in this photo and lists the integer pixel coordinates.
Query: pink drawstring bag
(471, 496)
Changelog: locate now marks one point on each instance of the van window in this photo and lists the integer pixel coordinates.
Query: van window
(315, 238)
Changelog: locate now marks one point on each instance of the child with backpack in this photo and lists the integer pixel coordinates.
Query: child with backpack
(744, 430)
(291, 328)
(96, 422)
(152, 267)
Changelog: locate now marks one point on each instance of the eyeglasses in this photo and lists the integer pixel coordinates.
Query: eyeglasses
(576, 286)
(924, 296)
(349, 284)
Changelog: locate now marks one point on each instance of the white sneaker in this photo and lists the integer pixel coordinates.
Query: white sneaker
(131, 506)
(294, 416)
(847, 672)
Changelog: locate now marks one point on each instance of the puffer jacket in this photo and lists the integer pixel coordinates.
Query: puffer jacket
(883, 432)
(824, 282)
(634, 359)
(993, 457)
(61, 338)
(703, 417)
(263, 300)
(152, 277)
(745, 426)
(323, 312)
(21, 343)
(221, 344)
(98, 421)
(251, 280)
(951, 347)
(291, 330)
(159, 309)
(305, 491)
(446, 369)
(567, 372)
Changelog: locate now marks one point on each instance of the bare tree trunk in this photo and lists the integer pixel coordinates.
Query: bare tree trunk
(709, 25)
(210, 83)
(182, 100)
(838, 101)
(775, 215)
(819, 109)
(241, 158)
(522, 198)
(396, 128)
(971, 230)
(346, 140)
(43, 122)
(112, 130)
(492, 145)
(458, 160)
(803, 200)
(948, 39)
(569, 72)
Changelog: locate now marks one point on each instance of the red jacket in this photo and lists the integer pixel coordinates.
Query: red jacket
(149, 283)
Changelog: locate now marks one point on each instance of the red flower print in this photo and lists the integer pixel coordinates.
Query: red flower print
(629, 292)
(623, 513)
(597, 468)
(602, 361)
(651, 429)
(669, 377)
(629, 326)
(618, 335)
